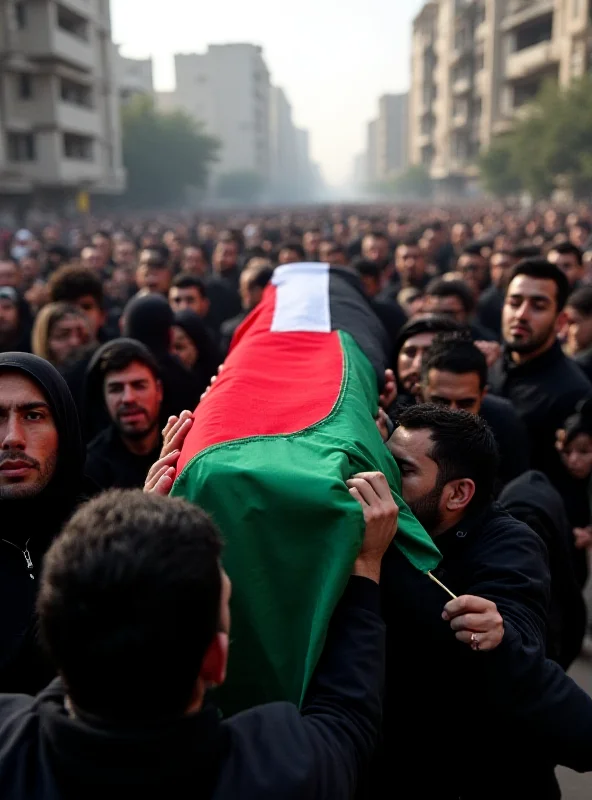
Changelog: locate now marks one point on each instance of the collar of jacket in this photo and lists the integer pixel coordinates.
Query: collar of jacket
(464, 532)
(94, 752)
(539, 364)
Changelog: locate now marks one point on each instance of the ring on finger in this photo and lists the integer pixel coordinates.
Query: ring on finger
(475, 643)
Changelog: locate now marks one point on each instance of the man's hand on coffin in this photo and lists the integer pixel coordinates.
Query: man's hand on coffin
(381, 515)
(161, 475)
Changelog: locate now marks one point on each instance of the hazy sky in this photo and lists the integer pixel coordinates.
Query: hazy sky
(332, 57)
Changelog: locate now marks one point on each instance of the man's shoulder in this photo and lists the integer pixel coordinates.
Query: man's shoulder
(497, 409)
(18, 713)
(102, 442)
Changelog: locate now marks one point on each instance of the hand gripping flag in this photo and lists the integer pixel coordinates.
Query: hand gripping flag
(289, 420)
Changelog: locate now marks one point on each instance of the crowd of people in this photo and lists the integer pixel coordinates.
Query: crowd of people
(111, 330)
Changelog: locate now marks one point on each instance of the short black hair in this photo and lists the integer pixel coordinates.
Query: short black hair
(473, 249)
(337, 248)
(440, 287)
(297, 247)
(526, 251)
(129, 603)
(581, 301)
(543, 270)
(122, 353)
(463, 447)
(370, 269)
(160, 256)
(456, 353)
(409, 241)
(184, 281)
(69, 283)
(568, 249)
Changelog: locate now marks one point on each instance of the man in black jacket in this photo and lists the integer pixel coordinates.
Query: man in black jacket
(473, 696)
(542, 384)
(125, 375)
(41, 482)
(134, 609)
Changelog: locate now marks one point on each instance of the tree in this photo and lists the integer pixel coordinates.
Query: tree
(412, 184)
(549, 147)
(163, 154)
(241, 186)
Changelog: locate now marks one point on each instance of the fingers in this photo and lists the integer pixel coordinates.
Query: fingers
(466, 604)
(164, 485)
(476, 623)
(170, 422)
(357, 496)
(377, 481)
(178, 429)
(485, 641)
(157, 483)
(389, 393)
(164, 463)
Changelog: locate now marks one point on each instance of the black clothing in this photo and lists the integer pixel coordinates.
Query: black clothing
(227, 331)
(149, 319)
(544, 392)
(489, 310)
(224, 302)
(510, 704)
(112, 466)
(30, 525)
(208, 353)
(481, 334)
(510, 435)
(231, 277)
(584, 362)
(534, 501)
(271, 751)
(393, 318)
(391, 291)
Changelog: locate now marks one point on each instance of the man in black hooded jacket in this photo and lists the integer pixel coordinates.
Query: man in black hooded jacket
(41, 482)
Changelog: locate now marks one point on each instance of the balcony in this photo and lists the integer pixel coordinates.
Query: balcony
(53, 44)
(529, 61)
(461, 86)
(77, 118)
(521, 11)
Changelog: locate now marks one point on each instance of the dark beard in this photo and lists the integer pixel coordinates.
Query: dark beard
(426, 509)
(135, 435)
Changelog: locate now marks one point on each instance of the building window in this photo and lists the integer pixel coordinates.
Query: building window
(479, 62)
(21, 146)
(25, 86)
(72, 23)
(78, 94)
(20, 13)
(78, 148)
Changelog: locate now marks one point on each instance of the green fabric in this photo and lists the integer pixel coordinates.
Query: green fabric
(292, 532)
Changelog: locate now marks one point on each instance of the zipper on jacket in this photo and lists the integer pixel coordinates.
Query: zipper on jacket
(26, 554)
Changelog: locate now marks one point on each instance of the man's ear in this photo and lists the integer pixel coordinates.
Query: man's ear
(213, 666)
(560, 321)
(459, 494)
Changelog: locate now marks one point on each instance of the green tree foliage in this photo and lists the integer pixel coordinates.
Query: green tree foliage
(240, 187)
(550, 147)
(163, 154)
(412, 184)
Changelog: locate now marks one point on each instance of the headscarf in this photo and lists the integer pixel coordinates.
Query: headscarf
(209, 357)
(149, 319)
(40, 515)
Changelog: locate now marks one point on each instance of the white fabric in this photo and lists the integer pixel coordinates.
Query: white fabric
(302, 298)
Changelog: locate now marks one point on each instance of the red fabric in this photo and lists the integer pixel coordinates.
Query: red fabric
(271, 384)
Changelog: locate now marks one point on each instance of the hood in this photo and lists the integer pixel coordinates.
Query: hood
(149, 320)
(194, 327)
(532, 492)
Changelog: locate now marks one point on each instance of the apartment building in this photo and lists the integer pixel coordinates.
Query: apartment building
(228, 89)
(134, 77)
(386, 151)
(476, 64)
(59, 106)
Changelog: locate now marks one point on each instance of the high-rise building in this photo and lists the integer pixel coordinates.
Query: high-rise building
(227, 89)
(283, 146)
(134, 77)
(391, 135)
(372, 175)
(59, 105)
(476, 64)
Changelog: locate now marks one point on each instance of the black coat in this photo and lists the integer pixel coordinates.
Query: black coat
(112, 466)
(489, 309)
(532, 499)
(544, 392)
(272, 751)
(510, 435)
(476, 725)
(30, 525)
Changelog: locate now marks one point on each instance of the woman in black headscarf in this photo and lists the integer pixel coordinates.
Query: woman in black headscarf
(149, 319)
(195, 348)
(29, 524)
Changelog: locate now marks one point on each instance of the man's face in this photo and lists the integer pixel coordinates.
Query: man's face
(30, 269)
(67, 337)
(450, 306)
(473, 269)
(501, 264)
(28, 437)
(410, 361)
(568, 262)
(10, 274)
(459, 235)
(90, 258)
(579, 236)
(529, 318)
(133, 397)
(9, 318)
(226, 256)
(311, 242)
(420, 487)
(288, 256)
(92, 311)
(410, 263)
(375, 248)
(457, 392)
(188, 298)
(250, 295)
(103, 247)
(155, 279)
(194, 262)
(125, 254)
(577, 330)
